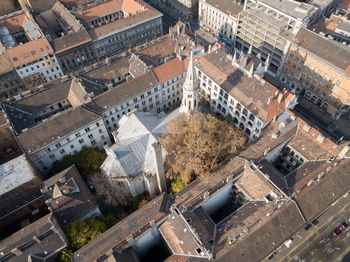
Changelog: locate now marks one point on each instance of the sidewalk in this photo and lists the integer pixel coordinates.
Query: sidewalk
(319, 226)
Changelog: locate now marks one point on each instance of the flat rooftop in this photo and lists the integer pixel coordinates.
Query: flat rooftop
(292, 8)
(15, 173)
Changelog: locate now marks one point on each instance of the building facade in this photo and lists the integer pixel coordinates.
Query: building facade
(240, 94)
(28, 49)
(220, 17)
(153, 91)
(64, 134)
(318, 68)
(116, 25)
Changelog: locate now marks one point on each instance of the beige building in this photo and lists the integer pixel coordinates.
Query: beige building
(219, 16)
(319, 68)
(187, 9)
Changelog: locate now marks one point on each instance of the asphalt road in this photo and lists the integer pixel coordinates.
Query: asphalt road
(321, 245)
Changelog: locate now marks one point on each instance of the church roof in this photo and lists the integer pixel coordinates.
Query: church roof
(133, 153)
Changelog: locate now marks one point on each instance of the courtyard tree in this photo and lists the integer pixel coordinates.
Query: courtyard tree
(195, 145)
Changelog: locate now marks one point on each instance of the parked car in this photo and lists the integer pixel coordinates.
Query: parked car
(338, 230)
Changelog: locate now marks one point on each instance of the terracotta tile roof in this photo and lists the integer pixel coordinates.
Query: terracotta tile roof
(255, 185)
(254, 93)
(73, 3)
(169, 70)
(6, 65)
(123, 23)
(100, 10)
(33, 51)
(312, 145)
(346, 4)
(30, 51)
(162, 49)
(228, 6)
(134, 7)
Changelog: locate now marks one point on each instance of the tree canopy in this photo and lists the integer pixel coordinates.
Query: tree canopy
(197, 144)
(87, 161)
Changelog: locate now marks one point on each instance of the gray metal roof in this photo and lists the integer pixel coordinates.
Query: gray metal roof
(133, 153)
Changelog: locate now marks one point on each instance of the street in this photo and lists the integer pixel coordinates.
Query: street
(316, 242)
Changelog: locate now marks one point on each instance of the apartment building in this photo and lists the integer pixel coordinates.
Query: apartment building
(153, 91)
(319, 69)
(10, 82)
(220, 17)
(266, 28)
(186, 9)
(117, 25)
(234, 88)
(63, 134)
(28, 49)
(338, 28)
(67, 36)
(55, 97)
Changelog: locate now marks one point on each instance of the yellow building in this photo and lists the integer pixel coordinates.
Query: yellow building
(319, 69)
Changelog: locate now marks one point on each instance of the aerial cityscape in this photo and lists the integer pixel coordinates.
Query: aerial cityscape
(175, 130)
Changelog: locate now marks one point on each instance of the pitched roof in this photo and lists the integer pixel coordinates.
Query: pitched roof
(230, 7)
(123, 92)
(132, 226)
(41, 239)
(56, 128)
(133, 153)
(252, 92)
(108, 71)
(123, 23)
(336, 54)
(267, 227)
(169, 70)
(55, 92)
(6, 65)
(322, 187)
(100, 10)
(74, 200)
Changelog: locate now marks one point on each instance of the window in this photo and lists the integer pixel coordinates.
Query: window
(81, 141)
(62, 151)
(97, 124)
(77, 134)
(90, 136)
(58, 145)
(87, 129)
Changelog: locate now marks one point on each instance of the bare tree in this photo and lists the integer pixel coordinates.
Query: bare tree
(113, 195)
(197, 144)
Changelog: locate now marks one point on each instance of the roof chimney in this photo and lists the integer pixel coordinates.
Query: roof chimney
(344, 151)
(280, 97)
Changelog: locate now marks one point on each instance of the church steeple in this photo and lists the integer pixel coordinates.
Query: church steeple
(190, 90)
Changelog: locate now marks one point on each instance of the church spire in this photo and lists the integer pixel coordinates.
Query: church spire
(190, 90)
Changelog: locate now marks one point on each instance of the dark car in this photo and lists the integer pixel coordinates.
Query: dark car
(338, 230)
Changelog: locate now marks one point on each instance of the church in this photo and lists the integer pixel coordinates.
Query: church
(232, 87)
